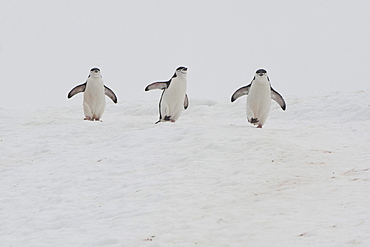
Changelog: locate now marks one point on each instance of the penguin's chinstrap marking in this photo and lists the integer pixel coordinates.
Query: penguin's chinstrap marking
(94, 95)
(260, 93)
(174, 98)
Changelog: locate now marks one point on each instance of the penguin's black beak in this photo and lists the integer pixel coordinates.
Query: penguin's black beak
(261, 74)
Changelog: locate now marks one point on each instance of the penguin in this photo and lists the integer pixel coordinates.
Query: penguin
(259, 93)
(94, 91)
(174, 98)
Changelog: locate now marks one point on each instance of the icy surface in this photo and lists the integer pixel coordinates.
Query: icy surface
(211, 179)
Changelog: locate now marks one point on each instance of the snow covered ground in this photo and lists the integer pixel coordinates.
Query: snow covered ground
(211, 179)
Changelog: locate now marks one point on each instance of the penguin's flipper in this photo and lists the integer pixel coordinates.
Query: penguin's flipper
(240, 92)
(278, 98)
(110, 94)
(77, 89)
(158, 85)
(186, 102)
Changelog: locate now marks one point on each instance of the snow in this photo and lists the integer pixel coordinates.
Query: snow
(210, 179)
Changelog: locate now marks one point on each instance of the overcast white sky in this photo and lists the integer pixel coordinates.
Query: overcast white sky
(48, 47)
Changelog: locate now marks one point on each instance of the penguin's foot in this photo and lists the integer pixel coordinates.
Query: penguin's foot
(259, 126)
(166, 119)
(254, 120)
(88, 118)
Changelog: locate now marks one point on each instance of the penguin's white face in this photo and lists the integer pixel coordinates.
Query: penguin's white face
(181, 71)
(95, 72)
(261, 73)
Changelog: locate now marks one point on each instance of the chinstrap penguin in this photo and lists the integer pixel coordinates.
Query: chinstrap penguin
(259, 93)
(93, 99)
(174, 98)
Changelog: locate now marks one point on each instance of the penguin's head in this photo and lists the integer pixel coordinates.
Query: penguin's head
(95, 72)
(181, 70)
(261, 73)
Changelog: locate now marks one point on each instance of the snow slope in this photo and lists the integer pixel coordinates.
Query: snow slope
(211, 179)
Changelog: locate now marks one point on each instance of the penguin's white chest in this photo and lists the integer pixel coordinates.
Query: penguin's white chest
(94, 89)
(259, 100)
(172, 103)
(94, 94)
(176, 91)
